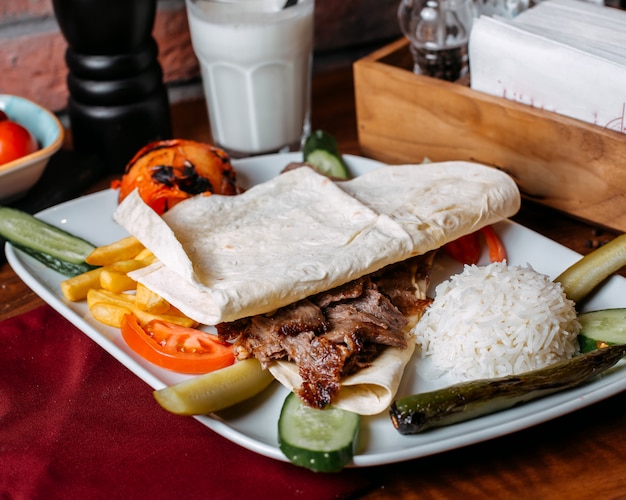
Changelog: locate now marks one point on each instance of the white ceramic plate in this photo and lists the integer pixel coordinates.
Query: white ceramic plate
(252, 424)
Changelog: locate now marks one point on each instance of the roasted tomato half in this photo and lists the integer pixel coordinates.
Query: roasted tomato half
(167, 172)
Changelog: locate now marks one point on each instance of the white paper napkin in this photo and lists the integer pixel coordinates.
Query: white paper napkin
(564, 56)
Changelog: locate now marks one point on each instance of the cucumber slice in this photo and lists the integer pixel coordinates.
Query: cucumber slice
(321, 151)
(319, 440)
(606, 326)
(25, 230)
(56, 248)
(328, 164)
(319, 139)
(63, 267)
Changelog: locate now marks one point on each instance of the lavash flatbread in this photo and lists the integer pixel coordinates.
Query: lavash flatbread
(366, 392)
(227, 257)
(222, 258)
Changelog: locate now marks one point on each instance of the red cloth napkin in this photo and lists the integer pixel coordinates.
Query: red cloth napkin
(75, 423)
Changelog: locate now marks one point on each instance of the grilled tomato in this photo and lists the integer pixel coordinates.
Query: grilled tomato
(168, 172)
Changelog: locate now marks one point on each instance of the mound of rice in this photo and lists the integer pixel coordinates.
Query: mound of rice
(496, 320)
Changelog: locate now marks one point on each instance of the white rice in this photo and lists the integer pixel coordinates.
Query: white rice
(496, 320)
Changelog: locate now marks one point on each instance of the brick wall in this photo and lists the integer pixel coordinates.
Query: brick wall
(32, 49)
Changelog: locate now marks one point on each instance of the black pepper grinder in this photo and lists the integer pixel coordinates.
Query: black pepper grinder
(118, 102)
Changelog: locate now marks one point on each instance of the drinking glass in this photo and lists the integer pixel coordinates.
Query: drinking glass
(255, 59)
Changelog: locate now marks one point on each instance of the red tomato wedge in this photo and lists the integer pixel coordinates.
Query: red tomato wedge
(176, 348)
(466, 249)
(497, 250)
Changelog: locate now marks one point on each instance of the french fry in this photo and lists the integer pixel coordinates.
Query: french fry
(114, 278)
(96, 295)
(145, 317)
(146, 255)
(109, 314)
(104, 288)
(116, 282)
(149, 301)
(126, 266)
(124, 249)
(124, 300)
(76, 287)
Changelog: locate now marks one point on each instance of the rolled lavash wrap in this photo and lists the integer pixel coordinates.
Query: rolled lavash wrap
(222, 258)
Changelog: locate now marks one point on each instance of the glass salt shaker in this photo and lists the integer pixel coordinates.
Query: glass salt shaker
(503, 8)
(439, 33)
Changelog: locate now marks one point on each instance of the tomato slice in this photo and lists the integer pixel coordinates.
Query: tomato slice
(175, 347)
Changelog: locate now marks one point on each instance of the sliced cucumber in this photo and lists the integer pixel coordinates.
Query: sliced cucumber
(56, 248)
(63, 267)
(321, 151)
(319, 139)
(606, 326)
(319, 440)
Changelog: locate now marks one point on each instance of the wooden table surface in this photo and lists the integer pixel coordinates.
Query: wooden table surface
(581, 455)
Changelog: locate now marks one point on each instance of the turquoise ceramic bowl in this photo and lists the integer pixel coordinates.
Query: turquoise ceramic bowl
(18, 176)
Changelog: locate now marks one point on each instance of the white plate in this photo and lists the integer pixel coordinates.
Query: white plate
(253, 424)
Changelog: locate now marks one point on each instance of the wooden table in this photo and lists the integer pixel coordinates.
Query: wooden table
(581, 455)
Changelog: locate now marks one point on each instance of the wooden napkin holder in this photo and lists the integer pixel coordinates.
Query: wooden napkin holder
(569, 165)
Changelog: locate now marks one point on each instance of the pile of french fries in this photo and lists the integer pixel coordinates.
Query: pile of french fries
(111, 293)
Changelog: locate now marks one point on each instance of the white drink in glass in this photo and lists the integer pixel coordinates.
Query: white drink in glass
(256, 72)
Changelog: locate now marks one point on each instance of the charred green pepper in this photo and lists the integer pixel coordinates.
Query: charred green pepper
(476, 398)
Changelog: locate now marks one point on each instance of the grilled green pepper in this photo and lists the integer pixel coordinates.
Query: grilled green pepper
(476, 398)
